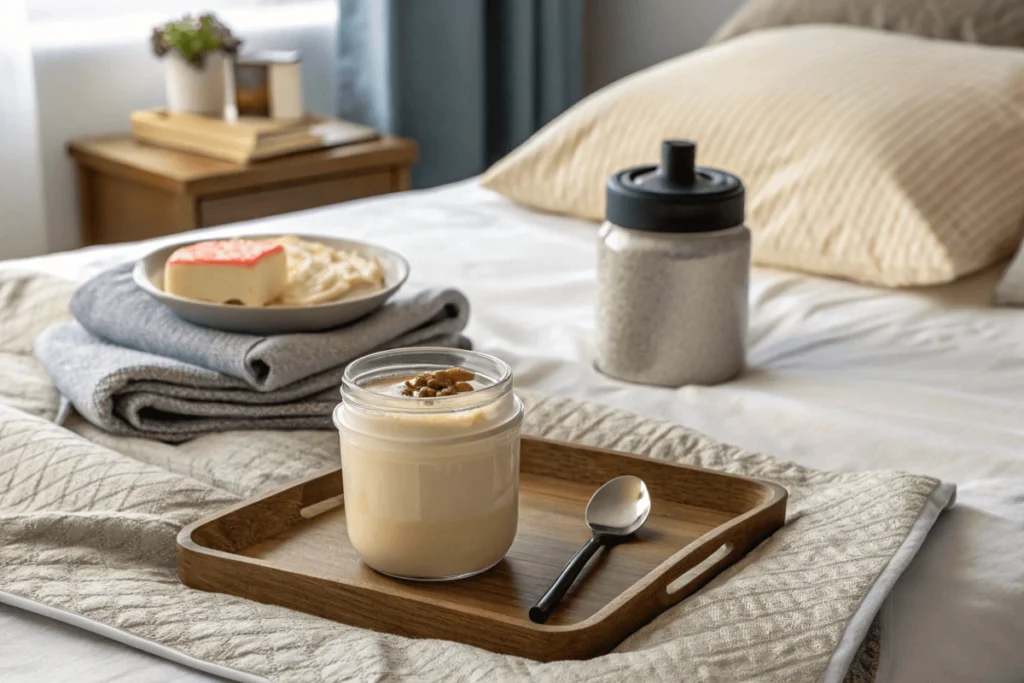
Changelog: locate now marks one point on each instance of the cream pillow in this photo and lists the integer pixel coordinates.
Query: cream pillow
(878, 157)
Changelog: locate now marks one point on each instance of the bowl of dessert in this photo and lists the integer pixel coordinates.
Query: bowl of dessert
(271, 284)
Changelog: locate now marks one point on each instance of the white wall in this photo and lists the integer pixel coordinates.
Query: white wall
(88, 85)
(622, 36)
(21, 196)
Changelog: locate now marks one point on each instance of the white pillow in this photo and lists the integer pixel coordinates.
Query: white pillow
(992, 22)
(1010, 290)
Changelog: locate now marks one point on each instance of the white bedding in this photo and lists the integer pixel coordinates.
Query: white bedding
(841, 376)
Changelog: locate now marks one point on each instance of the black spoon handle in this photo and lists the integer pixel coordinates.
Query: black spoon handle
(540, 612)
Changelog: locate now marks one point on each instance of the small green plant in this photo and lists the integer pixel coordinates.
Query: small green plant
(194, 38)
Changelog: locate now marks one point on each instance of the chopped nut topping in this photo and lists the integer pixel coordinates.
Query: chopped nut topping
(460, 375)
(439, 383)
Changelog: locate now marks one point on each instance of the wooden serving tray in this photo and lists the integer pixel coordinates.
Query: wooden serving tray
(291, 548)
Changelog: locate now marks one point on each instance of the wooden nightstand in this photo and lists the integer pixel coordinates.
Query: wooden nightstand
(130, 191)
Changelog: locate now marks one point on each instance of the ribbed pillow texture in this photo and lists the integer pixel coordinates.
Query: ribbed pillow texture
(877, 157)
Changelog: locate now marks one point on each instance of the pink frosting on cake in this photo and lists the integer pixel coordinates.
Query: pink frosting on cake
(229, 252)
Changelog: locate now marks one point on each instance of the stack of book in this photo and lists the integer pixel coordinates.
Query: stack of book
(247, 139)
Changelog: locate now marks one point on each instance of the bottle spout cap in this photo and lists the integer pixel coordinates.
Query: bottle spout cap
(678, 162)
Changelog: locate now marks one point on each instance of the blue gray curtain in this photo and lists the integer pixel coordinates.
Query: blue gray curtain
(467, 79)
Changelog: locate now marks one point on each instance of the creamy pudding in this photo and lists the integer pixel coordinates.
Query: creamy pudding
(430, 461)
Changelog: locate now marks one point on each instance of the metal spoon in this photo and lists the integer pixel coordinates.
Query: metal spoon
(616, 510)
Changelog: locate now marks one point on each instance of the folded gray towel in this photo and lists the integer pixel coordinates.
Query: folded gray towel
(131, 367)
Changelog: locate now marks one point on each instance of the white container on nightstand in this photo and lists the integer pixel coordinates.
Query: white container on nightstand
(192, 89)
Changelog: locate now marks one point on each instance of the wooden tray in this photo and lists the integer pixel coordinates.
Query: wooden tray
(290, 548)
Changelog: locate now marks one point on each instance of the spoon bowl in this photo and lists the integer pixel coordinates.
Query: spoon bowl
(620, 507)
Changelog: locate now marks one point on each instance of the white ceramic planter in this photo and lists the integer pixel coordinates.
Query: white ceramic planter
(191, 90)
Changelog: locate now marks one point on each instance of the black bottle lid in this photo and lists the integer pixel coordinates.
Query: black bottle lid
(675, 196)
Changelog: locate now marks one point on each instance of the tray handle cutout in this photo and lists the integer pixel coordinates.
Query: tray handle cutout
(311, 511)
(694, 577)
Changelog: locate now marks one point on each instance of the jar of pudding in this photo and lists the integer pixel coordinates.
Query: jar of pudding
(430, 461)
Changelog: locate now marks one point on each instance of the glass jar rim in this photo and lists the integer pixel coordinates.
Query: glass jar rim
(393, 361)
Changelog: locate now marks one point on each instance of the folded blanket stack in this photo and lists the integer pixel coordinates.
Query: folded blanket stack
(133, 368)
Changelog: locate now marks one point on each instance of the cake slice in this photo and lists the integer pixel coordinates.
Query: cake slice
(250, 272)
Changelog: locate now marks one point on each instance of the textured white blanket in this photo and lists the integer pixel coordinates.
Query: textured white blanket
(87, 524)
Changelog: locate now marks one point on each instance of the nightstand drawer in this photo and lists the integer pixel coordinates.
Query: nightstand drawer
(259, 203)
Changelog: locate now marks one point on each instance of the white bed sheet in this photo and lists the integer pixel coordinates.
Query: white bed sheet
(840, 376)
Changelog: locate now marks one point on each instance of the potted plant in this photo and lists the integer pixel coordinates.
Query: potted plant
(193, 51)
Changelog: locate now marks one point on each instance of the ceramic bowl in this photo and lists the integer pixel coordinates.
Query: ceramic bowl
(149, 275)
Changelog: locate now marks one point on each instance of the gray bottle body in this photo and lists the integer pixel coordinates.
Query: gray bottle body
(672, 307)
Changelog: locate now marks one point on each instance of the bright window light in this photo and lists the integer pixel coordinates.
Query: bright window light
(65, 10)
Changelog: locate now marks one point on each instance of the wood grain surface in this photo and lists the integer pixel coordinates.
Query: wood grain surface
(129, 191)
(291, 548)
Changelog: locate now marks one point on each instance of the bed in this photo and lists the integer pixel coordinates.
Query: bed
(840, 376)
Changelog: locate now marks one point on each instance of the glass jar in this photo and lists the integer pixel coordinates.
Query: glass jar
(431, 485)
(673, 273)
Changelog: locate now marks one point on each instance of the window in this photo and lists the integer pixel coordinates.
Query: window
(59, 10)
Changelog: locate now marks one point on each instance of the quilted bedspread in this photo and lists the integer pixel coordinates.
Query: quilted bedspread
(88, 522)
